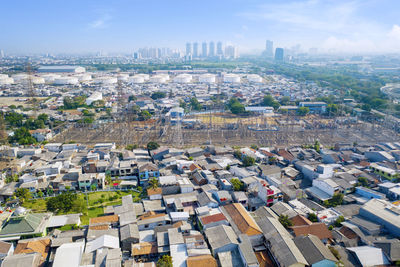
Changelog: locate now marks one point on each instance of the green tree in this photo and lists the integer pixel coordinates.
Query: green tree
(313, 217)
(332, 109)
(339, 221)
(23, 194)
(317, 146)
(235, 106)
(158, 95)
(153, 183)
(285, 221)
(194, 103)
(285, 100)
(269, 101)
(302, 111)
(61, 203)
(108, 179)
(40, 194)
(255, 147)
(144, 115)
(237, 184)
(43, 117)
(248, 161)
(363, 181)
(22, 137)
(164, 261)
(152, 145)
(131, 147)
(14, 119)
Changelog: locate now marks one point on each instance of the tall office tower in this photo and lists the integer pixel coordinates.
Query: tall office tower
(279, 54)
(188, 48)
(220, 52)
(211, 51)
(269, 48)
(204, 49)
(231, 51)
(1, 53)
(195, 50)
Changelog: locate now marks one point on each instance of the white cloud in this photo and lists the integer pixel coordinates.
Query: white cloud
(101, 22)
(333, 25)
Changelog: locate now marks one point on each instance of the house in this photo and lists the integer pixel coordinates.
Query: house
(6, 249)
(223, 197)
(242, 222)
(39, 245)
(25, 225)
(383, 171)
(129, 234)
(303, 227)
(323, 189)
(379, 156)
(155, 193)
(315, 252)
(102, 242)
(390, 248)
(221, 238)
(22, 260)
(103, 222)
(159, 153)
(212, 220)
(147, 171)
(206, 199)
(369, 256)
(201, 261)
(278, 241)
(384, 213)
(314, 107)
(151, 220)
(69, 255)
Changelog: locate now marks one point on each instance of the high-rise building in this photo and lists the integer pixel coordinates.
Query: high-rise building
(188, 48)
(195, 50)
(231, 51)
(211, 51)
(269, 48)
(1, 53)
(204, 49)
(220, 52)
(279, 54)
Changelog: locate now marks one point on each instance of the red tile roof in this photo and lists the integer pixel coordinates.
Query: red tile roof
(212, 218)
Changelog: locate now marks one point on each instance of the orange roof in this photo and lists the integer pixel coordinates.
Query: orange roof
(99, 227)
(318, 229)
(151, 214)
(156, 191)
(201, 261)
(299, 220)
(41, 246)
(144, 248)
(104, 219)
(242, 219)
(193, 167)
(212, 218)
(263, 259)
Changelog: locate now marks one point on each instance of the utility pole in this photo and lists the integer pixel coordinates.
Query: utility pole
(31, 90)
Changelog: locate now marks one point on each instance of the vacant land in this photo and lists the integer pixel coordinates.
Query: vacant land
(24, 101)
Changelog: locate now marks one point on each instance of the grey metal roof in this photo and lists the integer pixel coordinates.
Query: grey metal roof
(313, 249)
(129, 231)
(278, 238)
(247, 250)
(175, 237)
(220, 236)
(391, 248)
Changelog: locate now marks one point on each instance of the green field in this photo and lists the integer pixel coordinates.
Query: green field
(96, 200)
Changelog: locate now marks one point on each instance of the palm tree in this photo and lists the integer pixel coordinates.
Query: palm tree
(153, 183)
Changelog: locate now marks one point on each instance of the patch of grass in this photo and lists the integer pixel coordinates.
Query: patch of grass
(91, 213)
(36, 205)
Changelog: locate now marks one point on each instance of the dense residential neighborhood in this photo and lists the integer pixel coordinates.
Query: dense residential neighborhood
(298, 206)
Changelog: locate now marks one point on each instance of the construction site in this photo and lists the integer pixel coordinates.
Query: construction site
(228, 129)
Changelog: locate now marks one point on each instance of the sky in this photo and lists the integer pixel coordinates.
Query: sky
(81, 26)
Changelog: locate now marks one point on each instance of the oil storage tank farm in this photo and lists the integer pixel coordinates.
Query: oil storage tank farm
(4, 79)
(231, 78)
(254, 78)
(66, 80)
(207, 78)
(183, 78)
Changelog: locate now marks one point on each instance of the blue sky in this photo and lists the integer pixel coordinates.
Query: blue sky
(123, 26)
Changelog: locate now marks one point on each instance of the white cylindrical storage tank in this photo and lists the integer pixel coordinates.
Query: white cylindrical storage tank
(49, 78)
(183, 78)
(6, 80)
(3, 76)
(207, 78)
(123, 77)
(158, 79)
(146, 77)
(166, 76)
(231, 78)
(254, 78)
(136, 79)
(66, 80)
(37, 80)
(106, 80)
(20, 76)
(84, 77)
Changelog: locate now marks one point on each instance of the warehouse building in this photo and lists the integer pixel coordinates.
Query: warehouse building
(69, 69)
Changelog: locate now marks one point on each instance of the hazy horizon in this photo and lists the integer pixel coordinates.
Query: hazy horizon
(359, 26)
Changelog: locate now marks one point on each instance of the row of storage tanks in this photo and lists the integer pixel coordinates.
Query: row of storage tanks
(58, 79)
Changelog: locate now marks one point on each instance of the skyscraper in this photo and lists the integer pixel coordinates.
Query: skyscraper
(269, 48)
(211, 52)
(204, 49)
(231, 51)
(188, 48)
(279, 54)
(195, 50)
(1, 53)
(220, 52)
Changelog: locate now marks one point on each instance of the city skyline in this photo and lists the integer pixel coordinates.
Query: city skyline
(125, 26)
